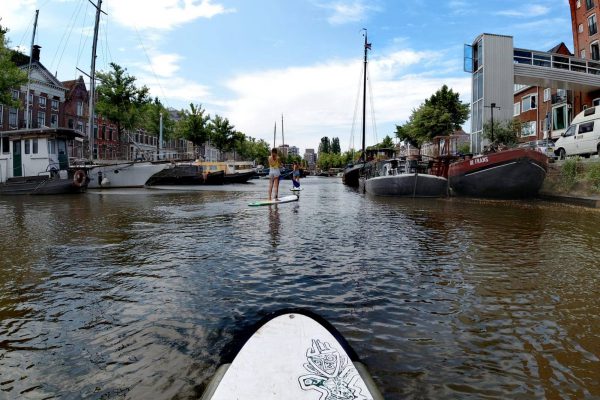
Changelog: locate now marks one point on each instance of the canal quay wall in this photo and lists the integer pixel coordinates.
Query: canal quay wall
(573, 181)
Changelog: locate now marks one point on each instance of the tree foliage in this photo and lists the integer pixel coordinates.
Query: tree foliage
(151, 119)
(335, 146)
(194, 125)
(11, 76)
(222, 133)
(506, 132)
(119, 99)
(325, 145)
(440, 115)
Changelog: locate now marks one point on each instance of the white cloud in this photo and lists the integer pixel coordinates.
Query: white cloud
(320, 100)
(163, 65)
(162, 14)
(345, 12)
(14, 13)
(529, 11)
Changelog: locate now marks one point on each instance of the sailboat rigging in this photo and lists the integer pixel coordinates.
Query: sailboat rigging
(352, 172)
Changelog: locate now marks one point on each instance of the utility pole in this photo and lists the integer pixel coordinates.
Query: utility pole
(492, 106)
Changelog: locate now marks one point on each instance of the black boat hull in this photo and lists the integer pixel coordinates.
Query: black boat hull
(515, 179)
(408, 185)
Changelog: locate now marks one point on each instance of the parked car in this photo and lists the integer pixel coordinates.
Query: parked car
(544, 146)
(583, 135)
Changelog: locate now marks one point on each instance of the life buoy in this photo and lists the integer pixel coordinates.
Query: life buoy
(79, 178)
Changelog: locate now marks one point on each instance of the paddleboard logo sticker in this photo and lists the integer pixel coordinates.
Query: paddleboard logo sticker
(331, 374)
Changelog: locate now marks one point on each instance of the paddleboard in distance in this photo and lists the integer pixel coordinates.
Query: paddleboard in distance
(285, 199)
(294, 355)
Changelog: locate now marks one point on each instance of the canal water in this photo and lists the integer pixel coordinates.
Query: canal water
(138, 293)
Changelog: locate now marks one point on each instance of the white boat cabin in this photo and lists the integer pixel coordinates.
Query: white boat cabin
(33, 152)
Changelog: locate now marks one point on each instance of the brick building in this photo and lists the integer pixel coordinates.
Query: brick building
(543, 112)
(586, 41)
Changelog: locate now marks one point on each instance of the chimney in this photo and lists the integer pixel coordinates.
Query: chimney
(36, 53)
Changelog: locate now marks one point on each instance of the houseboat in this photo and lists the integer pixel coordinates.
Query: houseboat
(35, 161)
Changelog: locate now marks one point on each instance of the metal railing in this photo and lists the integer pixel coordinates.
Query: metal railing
(556, 61)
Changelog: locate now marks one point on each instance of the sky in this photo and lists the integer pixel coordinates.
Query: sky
(254, 61)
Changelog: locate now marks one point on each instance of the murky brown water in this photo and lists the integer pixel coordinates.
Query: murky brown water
(136, 294)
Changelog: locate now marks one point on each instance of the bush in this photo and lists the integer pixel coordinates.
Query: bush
(593, 176)
(569, 173)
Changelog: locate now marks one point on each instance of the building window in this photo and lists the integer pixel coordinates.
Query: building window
(27, 146)
(34, 146)
(547, 94)
(54, 104)
(41, 119)
(589, 4)
(580, 28)
(54, 121)
(51, 146)
(559, 118)
(528, 129)
(12, 117)
(80, 108)
(578, 3)
(1, 115)
(80, 126)
(30, 98)
(592, 27)
(529, 102)
(516, 109)
(582, 53)
(15, 95)
(595, 51)
(5, 145)
(95, 131)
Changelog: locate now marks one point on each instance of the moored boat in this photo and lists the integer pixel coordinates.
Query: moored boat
(351, 174)
(35, 162)
(186, 174)
(406, 178)
(235, 171)
(507, 174)
(121, 174)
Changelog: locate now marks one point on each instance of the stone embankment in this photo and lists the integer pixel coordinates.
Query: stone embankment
(574, 181)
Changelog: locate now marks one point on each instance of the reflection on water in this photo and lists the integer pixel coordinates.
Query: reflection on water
(138, 293)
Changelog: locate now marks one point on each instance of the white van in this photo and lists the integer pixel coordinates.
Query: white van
(583, 135)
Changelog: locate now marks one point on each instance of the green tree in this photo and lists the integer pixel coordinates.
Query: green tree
(387, 143)
(440, 115)
(506, 132)
(335, 146)
(151, 119)
(119, 99)
(325, 146)
(221, 133)
(194, 125)
(11, 76)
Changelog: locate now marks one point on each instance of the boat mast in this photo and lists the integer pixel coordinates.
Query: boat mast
(274, 134)
(367, 47)
(27, 122)
(93, 79)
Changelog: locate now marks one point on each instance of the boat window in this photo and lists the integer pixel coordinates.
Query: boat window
(589, 111)
(587, 127)
(571, 130)
(51, 146)
(5, 145)
(34, 146)
(27, 146)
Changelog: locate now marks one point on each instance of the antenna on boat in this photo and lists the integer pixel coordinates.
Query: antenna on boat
(27, 122)
(274, 134)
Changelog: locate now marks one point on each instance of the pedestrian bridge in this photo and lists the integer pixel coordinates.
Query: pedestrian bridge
(552, 70)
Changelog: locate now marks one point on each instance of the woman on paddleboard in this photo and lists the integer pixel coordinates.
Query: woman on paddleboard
(274, 172)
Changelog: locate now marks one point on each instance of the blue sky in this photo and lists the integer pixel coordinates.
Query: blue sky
(253, 60)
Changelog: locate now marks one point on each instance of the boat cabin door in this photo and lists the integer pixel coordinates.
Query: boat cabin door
(63, 158)
(17, 162)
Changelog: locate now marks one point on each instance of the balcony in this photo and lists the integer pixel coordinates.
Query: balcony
(544, 69)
